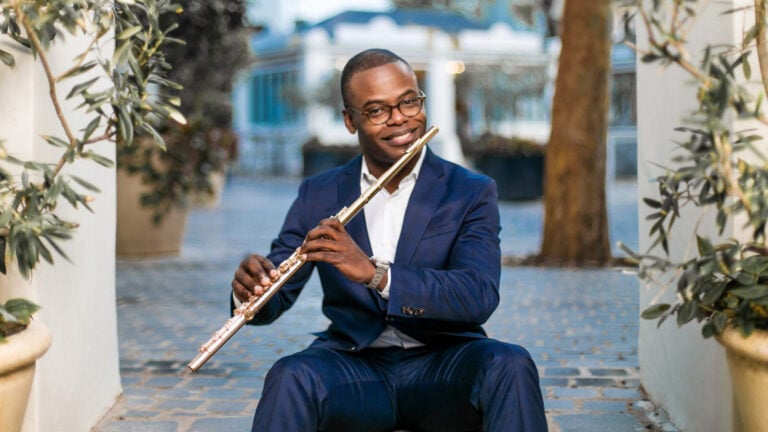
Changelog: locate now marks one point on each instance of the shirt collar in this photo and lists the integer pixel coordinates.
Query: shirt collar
(368, 178)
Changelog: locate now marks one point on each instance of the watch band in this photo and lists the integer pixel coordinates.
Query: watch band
(382, 266)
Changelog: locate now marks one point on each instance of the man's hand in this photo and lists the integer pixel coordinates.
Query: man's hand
(329, 242)
(252, 277)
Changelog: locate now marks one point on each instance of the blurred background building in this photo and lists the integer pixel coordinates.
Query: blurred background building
(487, 72)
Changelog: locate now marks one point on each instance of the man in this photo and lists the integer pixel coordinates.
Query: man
(407, 285)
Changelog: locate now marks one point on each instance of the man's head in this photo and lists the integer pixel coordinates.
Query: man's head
(363, 61)
(383, 105)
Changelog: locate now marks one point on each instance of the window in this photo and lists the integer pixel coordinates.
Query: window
(623, 100)
(272, 100)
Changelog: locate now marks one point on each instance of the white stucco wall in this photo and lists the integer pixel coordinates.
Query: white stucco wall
(683, 372)
(78, 378)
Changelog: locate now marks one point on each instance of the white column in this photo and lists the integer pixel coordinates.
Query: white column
(78, 379)
(682, 371)
(441, 101)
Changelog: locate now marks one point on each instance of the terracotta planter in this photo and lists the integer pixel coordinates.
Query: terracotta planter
(137, 235)
(18, 357)
(748, 367)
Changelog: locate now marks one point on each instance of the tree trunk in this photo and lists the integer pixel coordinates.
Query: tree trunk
(575, 215)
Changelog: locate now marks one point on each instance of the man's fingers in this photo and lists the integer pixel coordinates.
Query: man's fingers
(241, 291)
(254, 274)
(259, 269)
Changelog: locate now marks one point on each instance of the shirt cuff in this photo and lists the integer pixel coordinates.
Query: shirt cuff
(237, 300)
(385, 292)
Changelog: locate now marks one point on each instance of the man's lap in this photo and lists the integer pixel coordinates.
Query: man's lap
(423, 388)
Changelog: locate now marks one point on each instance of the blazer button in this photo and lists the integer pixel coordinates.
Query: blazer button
(353, 348)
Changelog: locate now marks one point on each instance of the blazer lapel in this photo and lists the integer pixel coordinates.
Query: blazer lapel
(349, 191)
(429, 190)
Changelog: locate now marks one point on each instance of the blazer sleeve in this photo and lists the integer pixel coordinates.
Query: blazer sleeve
(452, 283)
(291, 236)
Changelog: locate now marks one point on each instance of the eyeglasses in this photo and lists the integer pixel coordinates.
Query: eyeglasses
(380, 114)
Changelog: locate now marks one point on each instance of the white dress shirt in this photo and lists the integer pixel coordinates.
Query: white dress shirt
(384, 215)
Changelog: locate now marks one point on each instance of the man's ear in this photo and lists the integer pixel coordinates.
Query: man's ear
(348, 122)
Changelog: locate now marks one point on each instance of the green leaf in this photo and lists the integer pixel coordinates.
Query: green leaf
(118, 57)
(655, 311)
(687, 312)
(99, 159)
(91, 128)
(756, 264)
(712, 292)
(77, 71)
(130, 31)
(22, 309)
(55, 141)
(750, 293)
(708, 330)
(7, 58)
(704, 246)
(79, 88)
(719, 320)
(652, 203)
(91, 187)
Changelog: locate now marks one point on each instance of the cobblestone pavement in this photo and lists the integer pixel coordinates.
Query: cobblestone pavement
(580, 325)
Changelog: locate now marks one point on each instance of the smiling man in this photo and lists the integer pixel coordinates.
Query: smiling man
(407, 285)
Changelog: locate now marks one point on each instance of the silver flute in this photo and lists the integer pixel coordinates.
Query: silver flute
(246, 311)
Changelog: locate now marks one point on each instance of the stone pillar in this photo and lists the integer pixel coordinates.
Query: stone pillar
(441, 101)
(78, 379)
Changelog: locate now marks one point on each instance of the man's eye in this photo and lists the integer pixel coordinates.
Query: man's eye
(376, 111)
(408, 102)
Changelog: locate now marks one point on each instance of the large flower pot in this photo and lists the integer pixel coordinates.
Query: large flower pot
(137, 235)
(748, 367)
(18, 357)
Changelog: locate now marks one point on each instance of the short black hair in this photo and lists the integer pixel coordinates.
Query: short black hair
(365, 60)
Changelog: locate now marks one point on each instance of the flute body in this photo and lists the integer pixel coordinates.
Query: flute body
(247, 310)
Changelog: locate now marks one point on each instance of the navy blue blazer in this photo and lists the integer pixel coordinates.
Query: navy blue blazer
(445, 276)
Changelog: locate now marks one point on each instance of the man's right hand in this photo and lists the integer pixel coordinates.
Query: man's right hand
(252, 277)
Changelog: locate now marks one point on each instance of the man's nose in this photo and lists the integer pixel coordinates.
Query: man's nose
(396, 117)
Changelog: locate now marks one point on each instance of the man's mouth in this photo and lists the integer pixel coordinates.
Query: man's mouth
(401, 138)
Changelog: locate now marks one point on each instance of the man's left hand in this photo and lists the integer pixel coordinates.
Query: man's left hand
(329, 242)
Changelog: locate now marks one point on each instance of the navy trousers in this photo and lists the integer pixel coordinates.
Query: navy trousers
(482, 384)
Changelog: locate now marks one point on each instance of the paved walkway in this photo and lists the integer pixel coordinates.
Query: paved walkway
(580, 325)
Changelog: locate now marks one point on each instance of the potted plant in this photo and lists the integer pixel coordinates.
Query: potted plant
(19, 352)
(517, 164)
(115, 92)
(720, 169)
(159, 185)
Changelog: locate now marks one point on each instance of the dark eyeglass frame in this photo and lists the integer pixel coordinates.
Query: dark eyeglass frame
(420, 97)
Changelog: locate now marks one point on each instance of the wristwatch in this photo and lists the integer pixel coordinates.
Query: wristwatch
(382, 266)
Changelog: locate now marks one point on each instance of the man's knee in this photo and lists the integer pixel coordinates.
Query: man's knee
(503, 358)
(296, 371)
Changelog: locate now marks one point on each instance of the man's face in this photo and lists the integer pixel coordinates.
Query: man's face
(384, 85)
